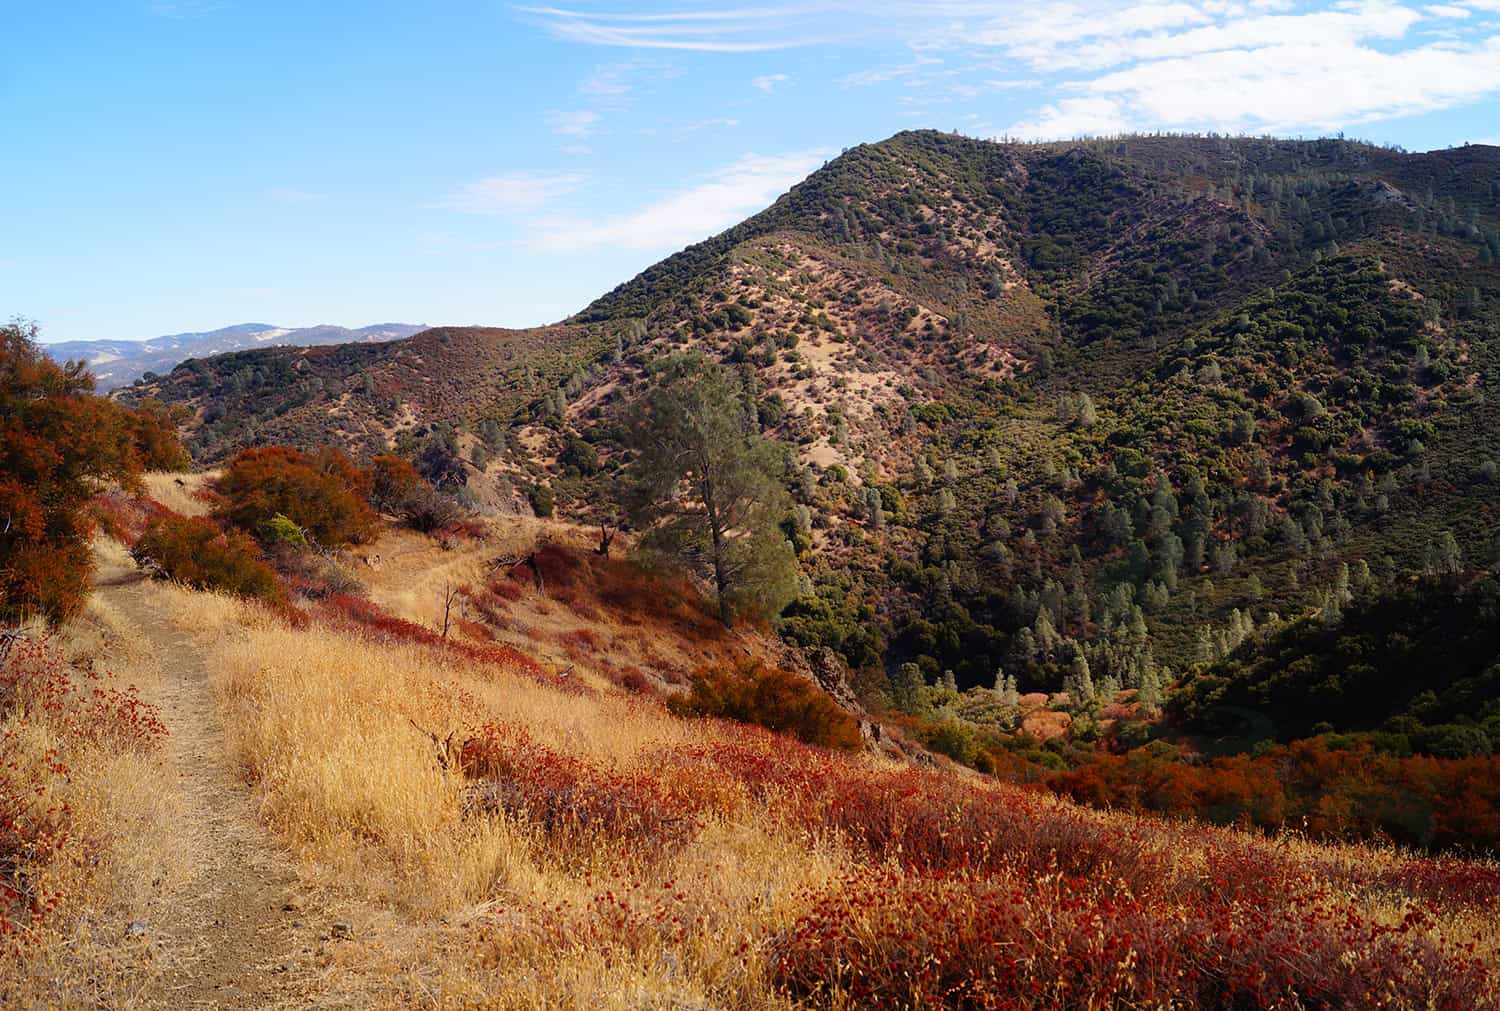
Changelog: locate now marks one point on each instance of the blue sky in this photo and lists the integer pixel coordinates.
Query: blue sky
(180, 165)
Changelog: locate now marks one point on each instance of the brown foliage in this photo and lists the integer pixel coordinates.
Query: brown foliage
(196, 552)
(400, 490)
(776, 699)
(393, 480)
(324, 494)
(1339, 793)
(58, 442)
(156, 441)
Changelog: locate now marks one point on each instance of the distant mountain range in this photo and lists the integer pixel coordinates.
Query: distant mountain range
(117, 363)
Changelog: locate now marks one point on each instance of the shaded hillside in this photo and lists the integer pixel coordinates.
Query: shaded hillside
(1106, 405)
(1355, 671)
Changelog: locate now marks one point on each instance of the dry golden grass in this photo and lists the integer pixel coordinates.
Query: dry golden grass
(123, 852)
(175, 491)
(504, 913)
(324, 723)
(407, 574)
(455, 903)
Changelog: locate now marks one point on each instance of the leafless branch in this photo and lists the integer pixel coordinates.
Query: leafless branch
(450, 594)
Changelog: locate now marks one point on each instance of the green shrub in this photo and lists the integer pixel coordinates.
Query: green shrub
(195, 552)
(955, 739)
(280, 530)
(1455, 740)
(775, 699)
(542, 502)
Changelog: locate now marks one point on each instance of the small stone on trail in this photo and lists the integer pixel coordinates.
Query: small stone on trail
(136, 929)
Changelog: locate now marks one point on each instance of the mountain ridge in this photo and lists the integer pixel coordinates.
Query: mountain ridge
(116, 363)
(1037, 398)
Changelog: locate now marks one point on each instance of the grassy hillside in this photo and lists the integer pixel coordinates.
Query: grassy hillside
(472, 819)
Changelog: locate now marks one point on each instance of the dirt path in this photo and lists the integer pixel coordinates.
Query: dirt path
(228, 938)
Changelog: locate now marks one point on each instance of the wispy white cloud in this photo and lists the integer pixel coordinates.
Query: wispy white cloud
(1305, 86)
(608, 90)
(731, 194)
(769, 82)
(1073, 117)
(510, 194)
(890, 72)
(1077, 41)
(1223, 66)
(606, 82)
(1104, 66)
(739, 30)
(573, 122)
(713, 123)
(614, 83)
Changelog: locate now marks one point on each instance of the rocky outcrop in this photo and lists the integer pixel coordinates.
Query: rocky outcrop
(826, 669)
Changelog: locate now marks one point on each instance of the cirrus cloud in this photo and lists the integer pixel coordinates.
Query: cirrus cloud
(690, 215)
(510, 194)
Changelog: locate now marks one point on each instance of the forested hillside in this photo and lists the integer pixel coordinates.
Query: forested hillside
(1068, 416)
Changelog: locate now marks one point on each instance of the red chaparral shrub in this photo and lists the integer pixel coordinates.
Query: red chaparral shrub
(776, 699)
(566, 796)
(124, 516)
(365, 617)
(324, 494)
(885, 937)
(633, 679)
(932, 821)
(195, 552)
(58, 443)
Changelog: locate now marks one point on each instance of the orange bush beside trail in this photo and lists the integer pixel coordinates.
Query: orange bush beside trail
(58, 442)
(323, 493)
(776, 699)
(196, 553)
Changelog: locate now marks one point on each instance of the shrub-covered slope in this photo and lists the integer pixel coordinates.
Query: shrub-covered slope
(1100, 407)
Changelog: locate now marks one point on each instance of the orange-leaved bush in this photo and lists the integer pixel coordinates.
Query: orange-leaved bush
(773, 698)
(58, 443)
(323, 493)
(195, 552)
(157, 445)
(400, 490)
